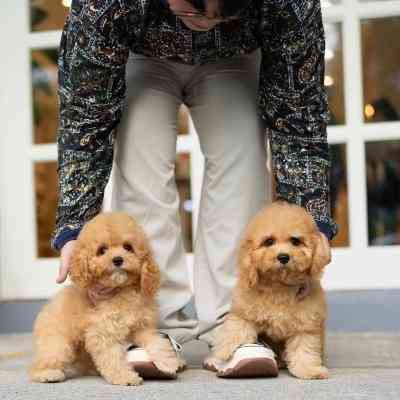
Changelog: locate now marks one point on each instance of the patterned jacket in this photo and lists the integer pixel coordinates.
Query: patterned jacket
(95, 44)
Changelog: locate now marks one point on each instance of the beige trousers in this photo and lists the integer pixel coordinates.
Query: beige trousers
(222, 98)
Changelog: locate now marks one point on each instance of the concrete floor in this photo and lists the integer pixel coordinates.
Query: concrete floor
(363, 366)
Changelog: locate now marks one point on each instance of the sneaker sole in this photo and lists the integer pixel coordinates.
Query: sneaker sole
(251, 368)
(148, 370)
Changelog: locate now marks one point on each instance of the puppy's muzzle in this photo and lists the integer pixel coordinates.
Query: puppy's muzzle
(283, 258)
(118, 261)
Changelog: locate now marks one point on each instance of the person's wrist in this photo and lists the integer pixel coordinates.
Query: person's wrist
(64, 237)
(325, 229)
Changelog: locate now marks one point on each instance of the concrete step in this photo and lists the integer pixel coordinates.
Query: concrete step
(344, 350)
(363, 366)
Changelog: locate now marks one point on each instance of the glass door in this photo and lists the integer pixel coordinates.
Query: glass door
(363, 84)
(28, 150)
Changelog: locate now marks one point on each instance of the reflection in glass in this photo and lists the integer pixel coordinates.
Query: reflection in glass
(383, 188)
(48, 14)
(339, 194)
(182, 176)
(44, 95)
(46, 194)
(334, 72)
(381, 69)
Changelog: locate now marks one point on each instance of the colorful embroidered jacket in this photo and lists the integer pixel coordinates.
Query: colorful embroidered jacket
(95, 44)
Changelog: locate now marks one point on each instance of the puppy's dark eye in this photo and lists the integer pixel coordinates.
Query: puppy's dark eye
(295, 241)
(269, 242)
(128, 247)
(101, 250)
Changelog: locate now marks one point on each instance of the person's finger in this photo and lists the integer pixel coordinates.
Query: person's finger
(62, 273)
(66, 256)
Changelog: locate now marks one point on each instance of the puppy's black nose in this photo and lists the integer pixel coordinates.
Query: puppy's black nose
(283, 258)
(118, 261)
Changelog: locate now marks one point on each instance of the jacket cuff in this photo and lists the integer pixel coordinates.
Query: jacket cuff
(326, 229)
(62, 238)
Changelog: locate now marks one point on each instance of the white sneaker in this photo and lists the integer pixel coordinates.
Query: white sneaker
(138, 358)
(249, 360)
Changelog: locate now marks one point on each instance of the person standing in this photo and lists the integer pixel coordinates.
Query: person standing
(250, 72)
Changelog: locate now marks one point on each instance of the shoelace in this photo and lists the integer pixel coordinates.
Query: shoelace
(175, 345)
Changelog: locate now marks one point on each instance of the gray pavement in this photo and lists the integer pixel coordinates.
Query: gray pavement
(363, 366)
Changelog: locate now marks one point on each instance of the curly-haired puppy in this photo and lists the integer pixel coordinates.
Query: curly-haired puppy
(75, 337)
(280, 253)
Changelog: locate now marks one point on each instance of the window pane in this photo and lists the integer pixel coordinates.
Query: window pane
(381, 69)
(182, 175)
(46, 194)
(44, 95)
(334, 72)
(339, 194)
(48, 14)
(383, 188)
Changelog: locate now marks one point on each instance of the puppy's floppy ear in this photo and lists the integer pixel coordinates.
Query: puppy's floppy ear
(248, 272)
(79, 267)
(321, 255)
(150, 278)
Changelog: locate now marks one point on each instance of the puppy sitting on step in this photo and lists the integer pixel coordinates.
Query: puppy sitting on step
(75, 337)
(281, 255)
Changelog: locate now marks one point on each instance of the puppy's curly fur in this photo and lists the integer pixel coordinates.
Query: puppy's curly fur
(74, 337)
(265, 300)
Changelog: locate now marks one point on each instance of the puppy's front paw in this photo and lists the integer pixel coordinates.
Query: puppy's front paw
(224, 352)
(164, 356)
(47, 375)
(125, 378)
(212, 363)
(310, 372)
(168, 364)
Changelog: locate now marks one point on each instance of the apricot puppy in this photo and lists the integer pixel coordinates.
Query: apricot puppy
(281, 253)
(75, 337)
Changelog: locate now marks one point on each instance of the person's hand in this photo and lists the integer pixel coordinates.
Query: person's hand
(66, 253)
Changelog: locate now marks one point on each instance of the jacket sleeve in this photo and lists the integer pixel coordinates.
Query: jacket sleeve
(293, 103)
(92, 59)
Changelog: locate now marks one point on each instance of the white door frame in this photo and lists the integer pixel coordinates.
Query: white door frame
(24, 276)
(356, 266)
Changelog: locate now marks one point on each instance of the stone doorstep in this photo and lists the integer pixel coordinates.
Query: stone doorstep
(344, 350)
